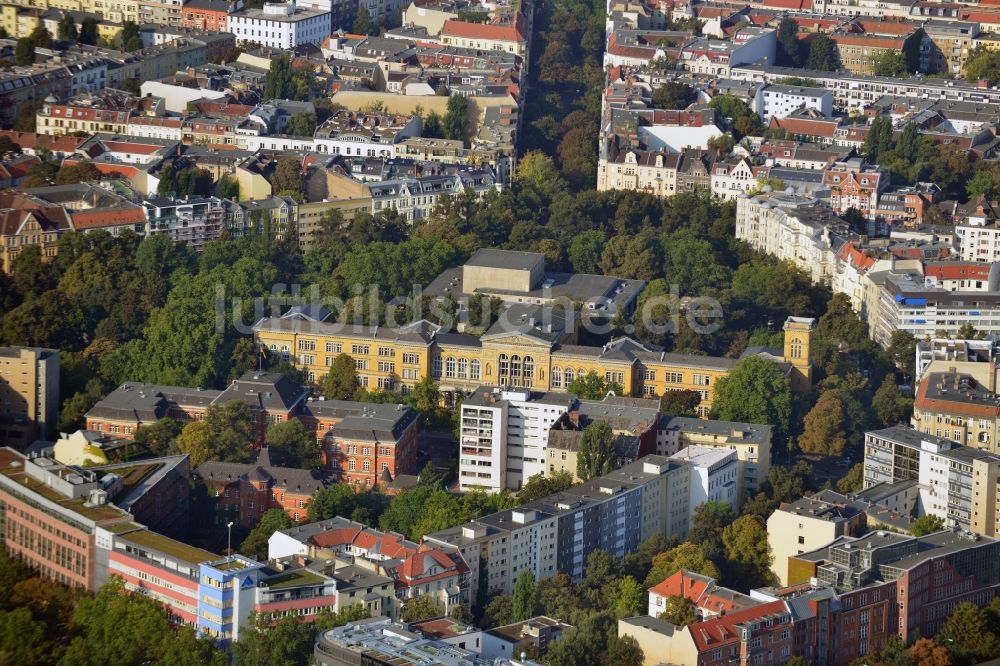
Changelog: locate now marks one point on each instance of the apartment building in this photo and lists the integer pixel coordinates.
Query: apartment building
(794, 228)
(614, 513)
(193, 220)
(29, 395)
(358, 134)
(955, 483)
(978, 239)
(709, 598)
(511, 36)
(780, 100)
(714, 476)
(280, 25)
(416, 198)
(416, 569)
(955, 406)
(854, 185)
(809, 523)
(106, 111)
(926, 309)
(210, 15)
(976, 358)
(504, 436)
(634, 423)
(751, 442)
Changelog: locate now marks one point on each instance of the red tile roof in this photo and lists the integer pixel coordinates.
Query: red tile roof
(467, 30)
(32, 141)
(97, 219)
(959, 271)
(723, 630)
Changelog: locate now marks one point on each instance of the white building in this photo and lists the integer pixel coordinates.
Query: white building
(977, 240)
(358, 134)
(177, 98)
(779, 100)
(729, 181)
(790, 227)
(714, 476)
(504, 436)
(280, 26)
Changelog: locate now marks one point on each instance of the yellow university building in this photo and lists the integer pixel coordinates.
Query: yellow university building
(531, 345)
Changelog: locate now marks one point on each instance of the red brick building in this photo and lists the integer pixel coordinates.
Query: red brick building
(272, 398)
(210, 15)
(364, 443)
(244, 492)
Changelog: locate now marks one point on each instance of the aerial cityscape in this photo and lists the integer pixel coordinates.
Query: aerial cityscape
(499, 332)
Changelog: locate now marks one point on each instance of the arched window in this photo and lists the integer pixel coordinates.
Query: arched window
(436, 368)
(449, 367)
(503, 367)
(515, 366)
(796, 348)
(556, 377)
(463, 368)
(529, 367)
(568, 376)
(474, 369)
(367, 466)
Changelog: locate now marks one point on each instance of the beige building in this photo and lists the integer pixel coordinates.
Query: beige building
(750, 441)
(29, 394)
(955, 406)
(533, 345)
(810, 523)
(660, 641)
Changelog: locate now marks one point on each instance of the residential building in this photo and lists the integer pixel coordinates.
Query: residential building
(751, 442)
(210, 15)
(925, 309)
(416, 570)
(192, 220)
(246, 491)
(280, 25)
(504, 435)
(709, 599)
(363, 134)
(29, 395)
(809, 523)
(955, 406)
(956, 483)
(512, 36)
(781, 100)
(978, 239)
(106, 111)
(512, 640)
(416, 198)
(634, 423)
(976, 358)
(614, 512)
(854, 185)
(791, 227)
(714, 476)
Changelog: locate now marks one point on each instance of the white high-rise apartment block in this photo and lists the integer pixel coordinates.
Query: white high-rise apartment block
(504, 435)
